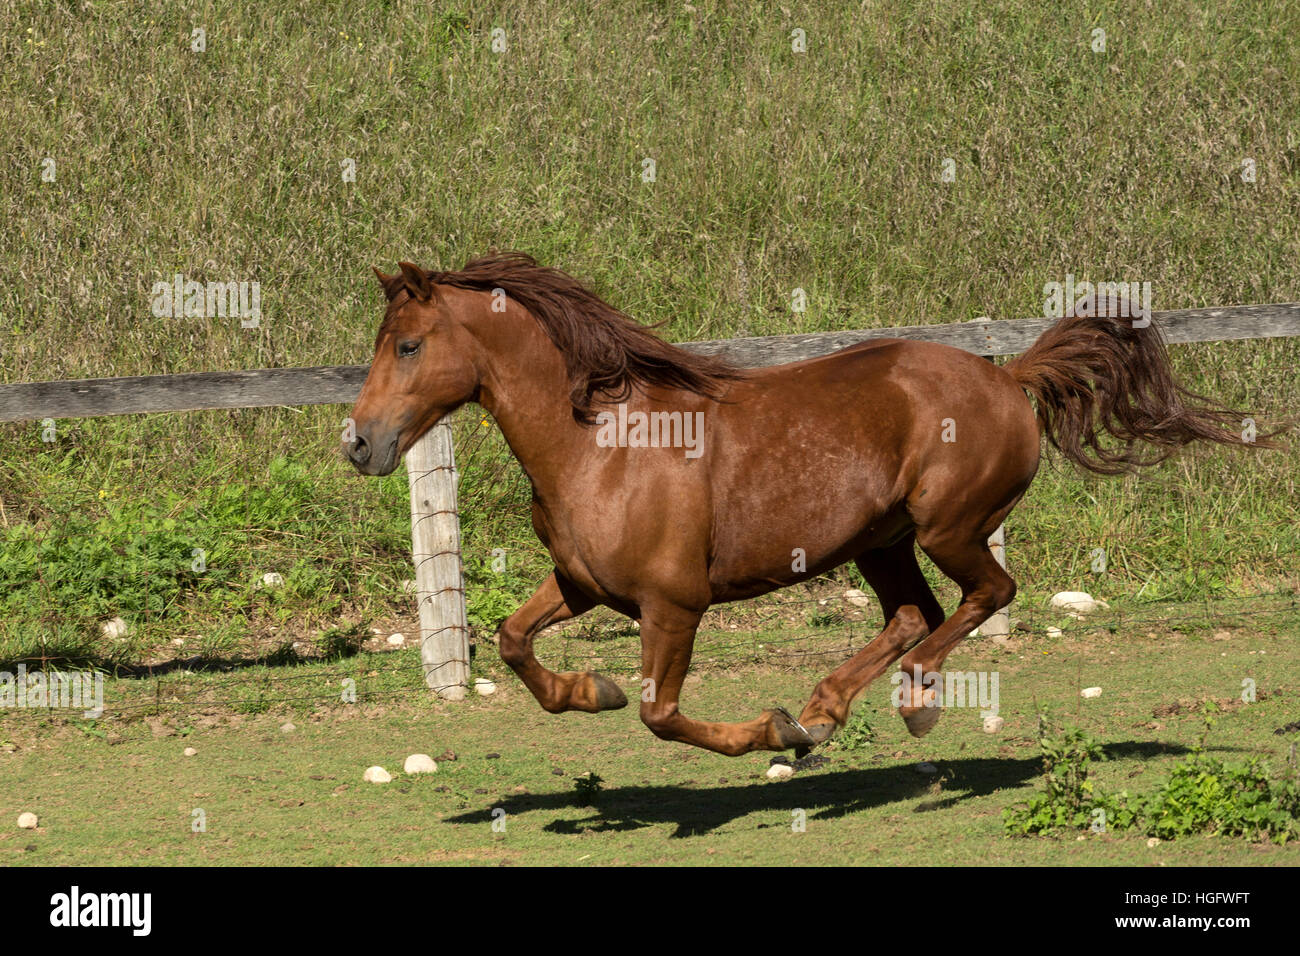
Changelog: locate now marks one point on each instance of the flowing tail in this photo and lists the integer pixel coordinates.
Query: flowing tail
(1095, 375)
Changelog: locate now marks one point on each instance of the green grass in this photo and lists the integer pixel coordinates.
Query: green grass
(120, 791)
(774, 170)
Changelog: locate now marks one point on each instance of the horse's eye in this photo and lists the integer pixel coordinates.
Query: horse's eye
(408, 348)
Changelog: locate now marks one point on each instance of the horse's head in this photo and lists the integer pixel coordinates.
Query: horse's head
(423, 368)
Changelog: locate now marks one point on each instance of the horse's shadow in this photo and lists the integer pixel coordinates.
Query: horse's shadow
(821, 795)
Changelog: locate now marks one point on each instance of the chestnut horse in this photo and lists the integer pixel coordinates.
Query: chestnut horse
(797, 469)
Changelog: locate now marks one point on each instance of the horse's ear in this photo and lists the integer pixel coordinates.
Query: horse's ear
(386, 282)
(417, 281)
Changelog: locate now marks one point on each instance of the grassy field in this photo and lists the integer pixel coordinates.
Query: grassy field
(120, 791)
(130, 156)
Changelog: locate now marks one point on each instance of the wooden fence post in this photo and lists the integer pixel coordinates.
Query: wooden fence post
(439, 577)
(998, 626)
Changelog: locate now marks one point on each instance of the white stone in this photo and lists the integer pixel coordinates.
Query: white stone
(189, 752)
(484, 687)
(376, 775)
(1079, 601)
(272, 579)
(287, 727)
(419, 763)
(1090, 692)
(1054, 632)
(780, 771)
(993, 724)
(396, 640)
(115, 629)
(857, 598)
(27, 821)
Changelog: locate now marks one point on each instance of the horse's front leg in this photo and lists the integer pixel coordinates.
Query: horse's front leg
(667, 639)
(556, 600)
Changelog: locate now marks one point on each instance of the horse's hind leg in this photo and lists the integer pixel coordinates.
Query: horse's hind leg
(911, 612)
(667, 640)
(986, 587)
(555, 601)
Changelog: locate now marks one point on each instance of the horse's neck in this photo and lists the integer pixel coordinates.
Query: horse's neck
(525, 387)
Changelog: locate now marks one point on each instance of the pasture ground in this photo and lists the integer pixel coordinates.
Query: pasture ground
(776, 171)
(119, 791)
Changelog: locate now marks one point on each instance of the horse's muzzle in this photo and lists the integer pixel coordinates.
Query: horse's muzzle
(372, 459)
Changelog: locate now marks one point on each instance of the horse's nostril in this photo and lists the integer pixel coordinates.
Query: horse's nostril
(359, 450)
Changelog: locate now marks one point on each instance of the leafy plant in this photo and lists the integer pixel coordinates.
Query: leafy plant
(1203, 795)
(492, 596)
(857, 733)
(588, 785)
(1069, 799)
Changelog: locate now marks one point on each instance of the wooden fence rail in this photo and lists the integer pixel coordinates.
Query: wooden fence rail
(431, 464)
(340, 384)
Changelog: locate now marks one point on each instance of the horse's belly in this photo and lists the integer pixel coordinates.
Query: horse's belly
(758, 564)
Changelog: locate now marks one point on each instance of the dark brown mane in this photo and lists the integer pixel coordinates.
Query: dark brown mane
(605, 351)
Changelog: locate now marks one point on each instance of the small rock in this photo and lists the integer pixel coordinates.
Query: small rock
(287, 727)
(116, 629)
(993, 724)
(447, 755)
(926, 768)
(493, 756)
(376, 775)
(484, 687)
(857, 598)
(178, 641)
(27, 821)
(1152, 842)
(1079, 601)
(780, 771)
(1054, 632)
(1090, 692)
(190, 752)
(419, 763)
(396, 640)
(272, 579)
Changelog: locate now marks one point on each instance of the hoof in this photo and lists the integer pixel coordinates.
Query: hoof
(920, 720)
(788, 731)
(819, 733)
(609, 696)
